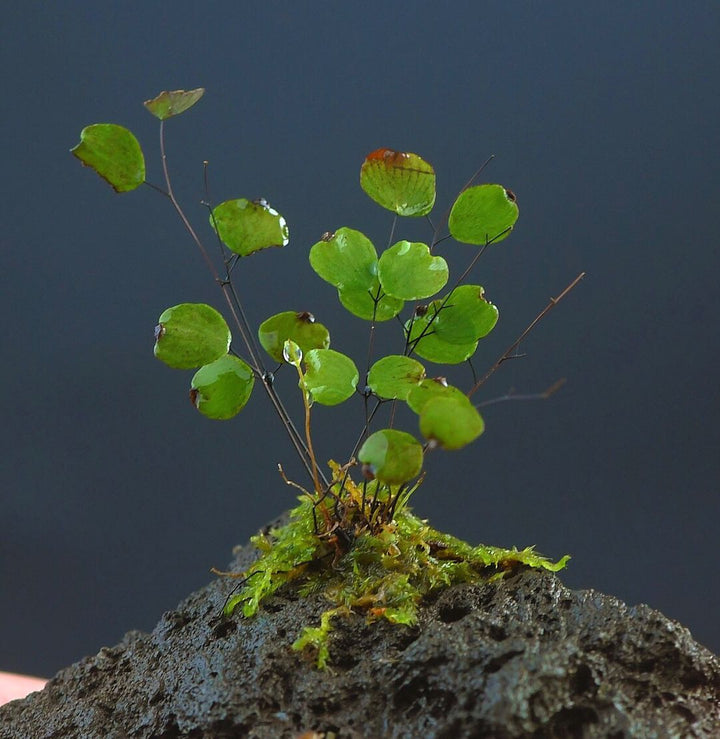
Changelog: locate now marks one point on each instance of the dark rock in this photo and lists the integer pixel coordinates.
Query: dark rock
(520, 657)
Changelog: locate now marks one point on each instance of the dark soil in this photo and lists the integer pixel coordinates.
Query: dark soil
(521, 657)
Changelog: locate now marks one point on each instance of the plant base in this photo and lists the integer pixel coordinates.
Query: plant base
(384, 574)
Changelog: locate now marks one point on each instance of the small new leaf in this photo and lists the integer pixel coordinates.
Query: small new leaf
(173, 102)
(465, 317)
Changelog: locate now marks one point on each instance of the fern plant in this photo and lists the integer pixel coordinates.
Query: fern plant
(352, 537)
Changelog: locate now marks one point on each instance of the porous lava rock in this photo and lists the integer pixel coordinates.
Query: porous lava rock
(524, 656)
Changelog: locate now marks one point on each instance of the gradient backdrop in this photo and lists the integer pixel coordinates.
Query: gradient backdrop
(116, 497)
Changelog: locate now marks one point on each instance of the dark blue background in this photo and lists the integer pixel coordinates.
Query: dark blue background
(116, 497)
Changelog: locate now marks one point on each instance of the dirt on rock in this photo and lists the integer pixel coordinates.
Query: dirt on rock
(520, 657)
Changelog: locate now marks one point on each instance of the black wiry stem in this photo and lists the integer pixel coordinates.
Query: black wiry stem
(238, 315)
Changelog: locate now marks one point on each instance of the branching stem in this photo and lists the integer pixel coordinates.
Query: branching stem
(544, 395)
(508, 353)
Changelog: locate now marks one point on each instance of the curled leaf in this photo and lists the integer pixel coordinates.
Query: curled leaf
(114, 153)
(173, 102)
(292, 353)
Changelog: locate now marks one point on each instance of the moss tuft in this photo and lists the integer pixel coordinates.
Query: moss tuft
(384, 571)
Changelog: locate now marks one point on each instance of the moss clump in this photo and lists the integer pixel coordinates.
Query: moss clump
(383, 568)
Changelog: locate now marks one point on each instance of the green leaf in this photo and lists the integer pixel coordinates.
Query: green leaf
(221, 389)
(191, 334)
(330, 376)
(346, 259)
(451, 422)
(408, 270)
(433, 348)
(114, 153)
(442, 352)
(465, 316)
(483, 214)
(395, 376)
(436, 387)
(246, 226)
(399, 181)
(392, 457)
(361, 303)
(299, 327)
(173, 102)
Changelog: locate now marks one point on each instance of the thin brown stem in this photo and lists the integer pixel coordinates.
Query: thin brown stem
(308, 441)
(508, 353)
(544, 395)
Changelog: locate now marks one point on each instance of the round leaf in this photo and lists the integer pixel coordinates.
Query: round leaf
(465, 316)
(433, 348)
(361, 303)
(395, 376)
(221, 389)
(346, 259)
(408, 270)
(441, 352)
(299, 327)
(246, 226)
(399, 181)
(436, 387)
(330, 377)
(483, 214)
(191, 334)
(114, 153)
(173, 102)
(451, 422)
(392, 457)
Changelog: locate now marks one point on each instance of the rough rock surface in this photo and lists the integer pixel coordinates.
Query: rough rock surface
(521, 657)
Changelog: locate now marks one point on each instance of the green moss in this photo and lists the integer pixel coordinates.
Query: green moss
(383, 571)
